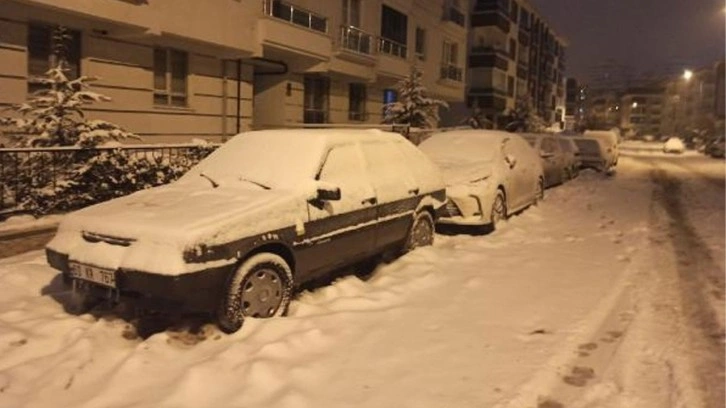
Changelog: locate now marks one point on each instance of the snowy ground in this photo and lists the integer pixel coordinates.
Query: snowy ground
(579, 302)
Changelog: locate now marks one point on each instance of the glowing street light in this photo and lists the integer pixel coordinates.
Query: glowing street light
(635, 104)
(687, 74)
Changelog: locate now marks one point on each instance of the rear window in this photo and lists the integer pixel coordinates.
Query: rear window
(588, 146)
(565, 145)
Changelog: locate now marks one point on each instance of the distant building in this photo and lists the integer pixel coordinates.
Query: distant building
(603, 110)
(514, 54)
(695, 103)
(182, 69)
(575, 103)
(641, 109)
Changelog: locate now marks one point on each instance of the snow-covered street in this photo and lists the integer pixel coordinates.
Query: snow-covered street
(610, 293)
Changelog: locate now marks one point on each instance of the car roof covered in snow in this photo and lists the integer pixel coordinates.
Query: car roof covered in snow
(280, 158)
(461, 154)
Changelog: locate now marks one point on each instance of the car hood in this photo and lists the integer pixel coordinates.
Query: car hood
(150, 230)
(464, 172)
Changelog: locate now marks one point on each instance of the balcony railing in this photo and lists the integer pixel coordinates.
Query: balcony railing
(295, 15)
(355, 39)
(454, 15)
(390, 47)
(450, 71)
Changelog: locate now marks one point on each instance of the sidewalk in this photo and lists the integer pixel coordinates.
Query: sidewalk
(25, 233)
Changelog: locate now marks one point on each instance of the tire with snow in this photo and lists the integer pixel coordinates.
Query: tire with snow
(499, 209)
(421, 232)
(261, 287)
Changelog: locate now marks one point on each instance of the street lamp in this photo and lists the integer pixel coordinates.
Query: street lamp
(687, 74)
(635, 105)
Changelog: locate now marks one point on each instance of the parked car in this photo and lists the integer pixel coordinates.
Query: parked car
(592, 154)
(610, 143)
(572, 156)
(674, 145)
(553, 158)
(488, 174)
(716, 149)
(266, 212)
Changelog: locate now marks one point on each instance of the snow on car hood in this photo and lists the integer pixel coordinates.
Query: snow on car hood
(459, 171)
(160, 224)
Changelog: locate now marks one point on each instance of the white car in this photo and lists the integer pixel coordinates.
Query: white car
(488, 174)
(610, 143)
(674, 145)
(266, 212)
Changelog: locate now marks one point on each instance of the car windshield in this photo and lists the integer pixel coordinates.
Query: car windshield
(532, 140)
(565, 144)
(463, 156)
(267, 159)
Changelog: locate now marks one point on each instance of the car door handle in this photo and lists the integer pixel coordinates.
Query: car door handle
(413, 191)
(371, 201)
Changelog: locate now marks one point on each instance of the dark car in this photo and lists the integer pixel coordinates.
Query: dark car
(267, 211)
(554, 161)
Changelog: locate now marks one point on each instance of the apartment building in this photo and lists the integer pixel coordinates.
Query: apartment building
(694, 102)
(513, 53)
(575, 102)
(183, 69)
(641, 111)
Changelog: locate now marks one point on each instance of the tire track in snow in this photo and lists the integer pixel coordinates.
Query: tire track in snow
(701, 287)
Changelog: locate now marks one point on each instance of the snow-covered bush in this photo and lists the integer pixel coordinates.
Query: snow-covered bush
(413, 107)
(100, 175)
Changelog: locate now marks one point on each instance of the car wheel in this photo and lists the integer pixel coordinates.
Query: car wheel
(499, 209)
(422, 231)
(261, 287)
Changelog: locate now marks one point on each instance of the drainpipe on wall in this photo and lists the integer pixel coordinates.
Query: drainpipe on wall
(239, 91)
(224, 100)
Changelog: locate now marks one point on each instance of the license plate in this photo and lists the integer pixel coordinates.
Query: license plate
(93, 274)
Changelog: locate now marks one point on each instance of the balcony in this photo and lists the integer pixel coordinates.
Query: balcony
(295, 15)
(454, 15)
(490, 49)
(392, 48)
(293, 30)
(356, 40)
(488, 61)
(490, 18)
(452, 72)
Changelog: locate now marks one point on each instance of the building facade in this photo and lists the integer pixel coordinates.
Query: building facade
(185, 69)
(575, 104)
(514, 54)
(641, 111)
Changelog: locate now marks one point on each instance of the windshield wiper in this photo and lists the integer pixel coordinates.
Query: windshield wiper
(214, 183)
(255, 183)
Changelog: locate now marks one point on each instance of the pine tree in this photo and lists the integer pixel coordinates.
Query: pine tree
(53, 115)
(413, 107)
(524, 118)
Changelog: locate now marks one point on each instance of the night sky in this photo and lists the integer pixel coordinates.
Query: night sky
(655, 36)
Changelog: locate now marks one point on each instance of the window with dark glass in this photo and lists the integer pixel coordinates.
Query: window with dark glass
(512, 49)
(357, 101)
(351, 13)
(394, 25)
(46, 49)
(510, 85)
(315, 99)
(170, 77)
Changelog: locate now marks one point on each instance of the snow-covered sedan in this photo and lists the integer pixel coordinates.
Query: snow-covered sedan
(674, 145)
(488, 174)
(267, 211)
(554, 160)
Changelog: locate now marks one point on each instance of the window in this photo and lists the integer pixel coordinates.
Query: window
(343, 168)
(394, 25)
(510, 85)
(315, 102)
(170, 77)
(512, 49)
(43, 47)
(451, 53)
(420, 43)
(351, 13)
(357, 101)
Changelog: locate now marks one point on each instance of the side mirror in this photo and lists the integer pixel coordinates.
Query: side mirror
(545, 155)
(328, 193)
(511, 160)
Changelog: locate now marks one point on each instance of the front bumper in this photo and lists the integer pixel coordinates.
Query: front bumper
(200, 291)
